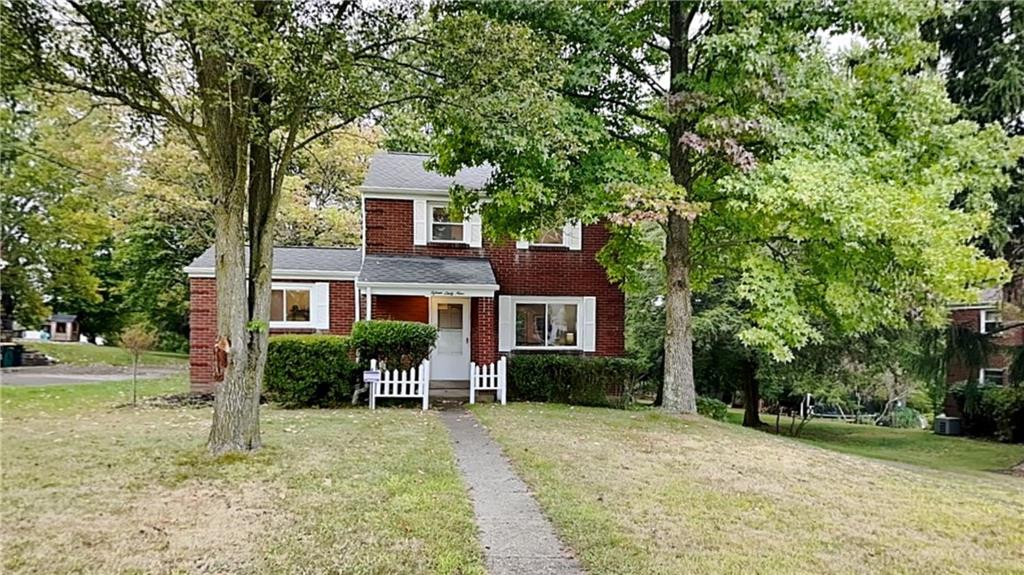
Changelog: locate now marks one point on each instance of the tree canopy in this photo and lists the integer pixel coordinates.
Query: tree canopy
(817, 177)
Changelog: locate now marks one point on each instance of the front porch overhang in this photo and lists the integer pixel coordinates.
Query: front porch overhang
(427, 289)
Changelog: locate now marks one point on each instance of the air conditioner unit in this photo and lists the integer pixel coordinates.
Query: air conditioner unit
(947, 425)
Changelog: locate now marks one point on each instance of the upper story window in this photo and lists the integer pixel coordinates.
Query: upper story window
(554, 237)
(568, 236)
(991, 320)
(991, 376)
(446, 225)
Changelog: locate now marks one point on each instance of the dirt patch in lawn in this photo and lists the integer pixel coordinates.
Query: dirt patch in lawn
(197, 528)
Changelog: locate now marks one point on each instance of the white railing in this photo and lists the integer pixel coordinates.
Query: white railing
(411, 383)
(489, 377)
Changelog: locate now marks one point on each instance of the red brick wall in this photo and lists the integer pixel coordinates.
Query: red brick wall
(401, 308)
(484, 341)
(203, 325)
(202, 320)
(538, 271)
(1004, 340)
(389, 232)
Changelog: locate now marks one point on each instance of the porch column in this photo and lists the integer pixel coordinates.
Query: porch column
(369, 303)
(484, 343)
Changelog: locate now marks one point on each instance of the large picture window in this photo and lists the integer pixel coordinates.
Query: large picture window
(547, 325)
(446, 225)
(290, 305)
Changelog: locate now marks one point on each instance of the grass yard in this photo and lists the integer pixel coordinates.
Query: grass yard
(89, 354)
(92, 488)
(915, 446)
(643, 492)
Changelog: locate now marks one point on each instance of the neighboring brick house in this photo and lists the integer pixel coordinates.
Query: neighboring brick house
(420, 263)
(996, 313)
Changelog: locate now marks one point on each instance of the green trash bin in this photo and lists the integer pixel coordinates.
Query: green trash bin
(11, 355)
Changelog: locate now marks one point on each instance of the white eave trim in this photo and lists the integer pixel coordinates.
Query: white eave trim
(429, 289)
(194, 272)
(370, 192)
(989, 306)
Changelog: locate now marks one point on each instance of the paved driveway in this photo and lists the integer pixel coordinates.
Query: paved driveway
(78, 374)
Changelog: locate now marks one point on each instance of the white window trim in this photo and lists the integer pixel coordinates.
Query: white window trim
(984, 319)
(981, 374)
(572, 239)
(577, 301)
(564, 243)
(431, 222)
(311, 324)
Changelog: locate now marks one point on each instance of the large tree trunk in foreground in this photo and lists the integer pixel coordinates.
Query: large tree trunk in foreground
(235, 413)
(679, 395)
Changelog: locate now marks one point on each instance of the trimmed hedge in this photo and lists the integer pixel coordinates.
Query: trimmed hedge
(573, 379)
(309, 370)
(711, 407)
(401, 344)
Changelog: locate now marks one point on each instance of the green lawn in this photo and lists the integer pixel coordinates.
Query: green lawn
(646, 493)
(915, 446)
(88, 487)
(88, 354)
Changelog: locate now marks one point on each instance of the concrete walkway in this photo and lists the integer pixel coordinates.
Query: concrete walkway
(516, 537)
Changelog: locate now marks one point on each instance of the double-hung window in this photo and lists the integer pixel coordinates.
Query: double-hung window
(446, 225)
(992, 376)
(991, 320)
(546, 325)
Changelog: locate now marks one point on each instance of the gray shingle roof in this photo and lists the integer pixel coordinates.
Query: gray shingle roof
(397, 171)
(302, 259)
(63, 317)
(427, 270)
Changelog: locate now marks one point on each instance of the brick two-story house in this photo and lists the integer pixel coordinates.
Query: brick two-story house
(996, 313)
(421, 262)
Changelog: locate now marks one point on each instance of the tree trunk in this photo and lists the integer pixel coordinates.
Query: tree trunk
(226, 119)
(679, 395)
(751, 396)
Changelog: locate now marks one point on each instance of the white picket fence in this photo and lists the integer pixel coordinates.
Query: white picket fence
(489, 377)
(403, 384)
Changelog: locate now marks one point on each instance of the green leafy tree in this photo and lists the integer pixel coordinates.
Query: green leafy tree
(819, 180)
(61, 169)
(248, 85)
(984, 46)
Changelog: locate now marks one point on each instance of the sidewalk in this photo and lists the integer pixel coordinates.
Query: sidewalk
(516, 537)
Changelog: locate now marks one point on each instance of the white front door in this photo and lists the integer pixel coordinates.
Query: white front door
(450, 359)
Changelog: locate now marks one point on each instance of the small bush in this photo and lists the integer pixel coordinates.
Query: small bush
(309, 370)
(713, 408)
(578, 380)
(400, 344)
(992, 411)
